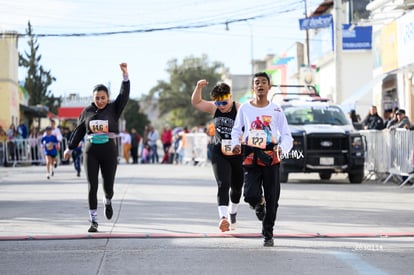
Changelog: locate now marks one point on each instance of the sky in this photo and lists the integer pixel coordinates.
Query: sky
(83, 41)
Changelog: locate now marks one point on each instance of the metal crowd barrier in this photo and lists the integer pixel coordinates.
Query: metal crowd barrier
(18, 151)
(2, 152)
(195, 148)
(390, 153)
(118, 143)
(377, 158)
(30, 151)
(25, 152)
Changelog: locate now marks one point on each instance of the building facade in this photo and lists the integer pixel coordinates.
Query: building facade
(9, 85)
(393, 36)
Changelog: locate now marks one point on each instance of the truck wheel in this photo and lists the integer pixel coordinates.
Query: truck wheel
(325, 175)
(356, 176)
(283, 176)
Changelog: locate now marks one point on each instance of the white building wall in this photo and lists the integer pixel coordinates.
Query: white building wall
(357, 72)
(326, 79)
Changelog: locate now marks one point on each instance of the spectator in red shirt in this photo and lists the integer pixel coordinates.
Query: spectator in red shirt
(166, 139)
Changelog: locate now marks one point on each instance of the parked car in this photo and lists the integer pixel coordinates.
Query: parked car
(325, 140)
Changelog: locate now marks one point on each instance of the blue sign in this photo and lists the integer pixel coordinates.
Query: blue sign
(316, 22)
(357, 38)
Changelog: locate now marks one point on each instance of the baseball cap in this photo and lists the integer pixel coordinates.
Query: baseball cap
(400, 111)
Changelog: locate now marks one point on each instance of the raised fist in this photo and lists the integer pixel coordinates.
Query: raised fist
(124, 68)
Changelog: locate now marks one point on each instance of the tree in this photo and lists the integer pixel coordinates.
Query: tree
(134, 118)
(174, 97)
(37, 79)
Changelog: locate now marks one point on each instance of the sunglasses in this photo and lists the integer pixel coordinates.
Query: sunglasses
(221, 103)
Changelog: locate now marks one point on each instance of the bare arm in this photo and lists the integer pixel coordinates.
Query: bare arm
(198, 102)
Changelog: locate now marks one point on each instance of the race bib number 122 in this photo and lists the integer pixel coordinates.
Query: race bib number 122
(257, 138)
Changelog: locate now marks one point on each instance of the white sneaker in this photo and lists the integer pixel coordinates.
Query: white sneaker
(224, 224)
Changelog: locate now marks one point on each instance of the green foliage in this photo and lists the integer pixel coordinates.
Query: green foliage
(174, 97)
(134, 118)
(37, 79)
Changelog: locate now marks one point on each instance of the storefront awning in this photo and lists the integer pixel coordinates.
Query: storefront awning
(69, 112)
(361, 92)
(34, 111)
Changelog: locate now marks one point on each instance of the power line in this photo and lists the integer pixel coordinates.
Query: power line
(194, 25)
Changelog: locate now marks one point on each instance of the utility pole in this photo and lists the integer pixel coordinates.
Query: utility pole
(338, 50)
(307, 36)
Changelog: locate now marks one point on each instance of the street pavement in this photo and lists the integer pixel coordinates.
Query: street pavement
(166, 222)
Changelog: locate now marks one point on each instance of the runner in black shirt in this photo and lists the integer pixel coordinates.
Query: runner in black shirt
(99, 122)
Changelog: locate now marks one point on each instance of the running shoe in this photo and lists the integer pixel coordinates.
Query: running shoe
(233, 221)
(268, 242)
(260, 210)
(94, 227)
(108, 211)
(48, 177)
(224, 224)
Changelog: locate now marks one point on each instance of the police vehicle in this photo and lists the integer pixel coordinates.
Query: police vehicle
(325, 140)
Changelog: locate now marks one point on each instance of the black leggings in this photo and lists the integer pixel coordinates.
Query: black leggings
(104, 157)
(228, 172)
(267, 177)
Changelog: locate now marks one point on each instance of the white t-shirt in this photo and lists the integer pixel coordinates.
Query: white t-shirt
(125, 138)
(262, 125)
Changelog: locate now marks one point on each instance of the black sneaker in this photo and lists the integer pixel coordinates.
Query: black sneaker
(108, 211)
(260, 211)
(93, 228)
(233, 221)
(268, 242)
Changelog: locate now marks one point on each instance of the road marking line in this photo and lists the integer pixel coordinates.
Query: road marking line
(357, 263)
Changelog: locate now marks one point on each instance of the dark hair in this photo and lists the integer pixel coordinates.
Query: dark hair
(261, 74)
(220, 90)
(400, 111)
(100, 87)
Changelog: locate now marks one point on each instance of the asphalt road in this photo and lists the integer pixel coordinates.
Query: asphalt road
(166, 222)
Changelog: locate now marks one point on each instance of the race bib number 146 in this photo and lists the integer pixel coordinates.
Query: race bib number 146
(98, 126)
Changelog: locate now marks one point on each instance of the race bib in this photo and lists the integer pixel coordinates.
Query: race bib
(226, 147)
(50, 146)
(98, 126)
(257, 138)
